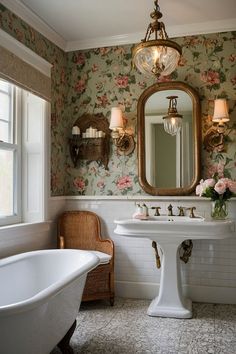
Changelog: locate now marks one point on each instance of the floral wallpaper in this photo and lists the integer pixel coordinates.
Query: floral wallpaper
(17, 28)
(103, 77)
(93, 81)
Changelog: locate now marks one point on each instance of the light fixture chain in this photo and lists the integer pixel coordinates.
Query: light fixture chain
(158, 56)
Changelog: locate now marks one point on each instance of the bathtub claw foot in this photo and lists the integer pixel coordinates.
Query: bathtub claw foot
(64, 344)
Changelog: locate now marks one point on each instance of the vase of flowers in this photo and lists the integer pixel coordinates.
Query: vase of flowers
(219, 209)
(219, 190)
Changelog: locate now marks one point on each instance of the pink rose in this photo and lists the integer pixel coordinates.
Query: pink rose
(80, 86)
(80, 59)
(210, 182)
(102, 101)
(211, 77)
(79, 184)
(124, 182)
(122, 81)
(225, 181)
(220, 187)
(232, 186)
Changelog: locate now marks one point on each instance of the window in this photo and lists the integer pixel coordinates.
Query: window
(22, 155)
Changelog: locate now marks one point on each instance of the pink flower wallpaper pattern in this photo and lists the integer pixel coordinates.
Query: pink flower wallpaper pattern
(92, 81)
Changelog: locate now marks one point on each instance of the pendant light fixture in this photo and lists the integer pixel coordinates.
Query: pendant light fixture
(173, 120)
(158, 56)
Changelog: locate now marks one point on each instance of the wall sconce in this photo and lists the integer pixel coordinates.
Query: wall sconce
(123, 139)
(173, 120)
(215, 135)
(74, 144)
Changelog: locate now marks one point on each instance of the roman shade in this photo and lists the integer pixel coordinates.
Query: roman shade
(20, 73)
(24, 68)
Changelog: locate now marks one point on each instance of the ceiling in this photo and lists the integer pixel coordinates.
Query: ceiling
(83, 24)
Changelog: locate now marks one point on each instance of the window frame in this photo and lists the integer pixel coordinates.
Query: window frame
(27, 60)
(15, 146)
(21, 191)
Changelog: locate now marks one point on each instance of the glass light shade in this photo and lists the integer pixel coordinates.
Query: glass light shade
(116, 121)
(220, 111)
(157, 58)
(172, 125)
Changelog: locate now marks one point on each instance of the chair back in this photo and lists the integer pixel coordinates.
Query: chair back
(80, 229)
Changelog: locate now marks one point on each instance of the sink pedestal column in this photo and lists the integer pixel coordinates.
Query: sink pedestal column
(170, 301)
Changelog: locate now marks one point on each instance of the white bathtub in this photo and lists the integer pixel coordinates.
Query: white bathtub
(40, 295)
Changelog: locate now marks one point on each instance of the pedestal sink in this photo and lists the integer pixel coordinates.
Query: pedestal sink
(169, 233)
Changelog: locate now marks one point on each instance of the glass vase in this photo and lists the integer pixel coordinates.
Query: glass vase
(219, 209)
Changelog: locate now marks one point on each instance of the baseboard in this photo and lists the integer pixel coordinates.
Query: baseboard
(136, 290)
(211, 294)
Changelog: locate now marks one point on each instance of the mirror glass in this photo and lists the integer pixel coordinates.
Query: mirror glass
(161, 147)
(168, 164)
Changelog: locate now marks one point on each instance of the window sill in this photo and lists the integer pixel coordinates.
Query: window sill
(18, 230)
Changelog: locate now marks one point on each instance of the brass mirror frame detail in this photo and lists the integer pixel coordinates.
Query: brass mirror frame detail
(175, 85)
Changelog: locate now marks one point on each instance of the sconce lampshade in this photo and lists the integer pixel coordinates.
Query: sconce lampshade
(116, 118)
(220, 111)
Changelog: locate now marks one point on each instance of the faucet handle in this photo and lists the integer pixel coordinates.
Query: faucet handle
(181, 210)
(145, 209)
(157, 213)
(191, 214)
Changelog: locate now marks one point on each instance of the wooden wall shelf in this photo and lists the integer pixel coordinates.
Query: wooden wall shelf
(91, 149)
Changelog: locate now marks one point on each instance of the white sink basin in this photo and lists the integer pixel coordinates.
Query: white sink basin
(169, 233)
(174, 228)
(173, 218)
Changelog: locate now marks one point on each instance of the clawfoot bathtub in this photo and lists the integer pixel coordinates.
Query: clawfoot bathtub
(40, 297)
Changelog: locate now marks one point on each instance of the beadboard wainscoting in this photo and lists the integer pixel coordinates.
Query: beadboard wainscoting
(210, 274)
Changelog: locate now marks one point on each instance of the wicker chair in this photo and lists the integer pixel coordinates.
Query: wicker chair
(82, 230)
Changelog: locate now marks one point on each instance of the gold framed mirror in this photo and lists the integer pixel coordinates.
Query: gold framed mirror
(169, 164)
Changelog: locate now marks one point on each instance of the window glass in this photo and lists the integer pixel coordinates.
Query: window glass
(6, 182)
(8, 156)
(6, 116)
(22, 155)
(4, 86)
(4, 131)
(5, 106)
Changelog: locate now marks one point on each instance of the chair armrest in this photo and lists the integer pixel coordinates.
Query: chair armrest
(106, 246)
(61, 242)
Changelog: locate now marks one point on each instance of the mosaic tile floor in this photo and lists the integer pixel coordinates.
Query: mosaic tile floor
(126, 329)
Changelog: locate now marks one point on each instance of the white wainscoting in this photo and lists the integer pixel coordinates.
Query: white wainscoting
(210, 274)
